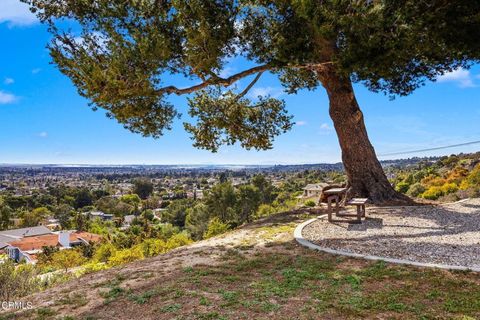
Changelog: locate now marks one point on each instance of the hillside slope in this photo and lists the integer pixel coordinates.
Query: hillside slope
(259, 272)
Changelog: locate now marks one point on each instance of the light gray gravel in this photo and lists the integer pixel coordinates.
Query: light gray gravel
(444, 234)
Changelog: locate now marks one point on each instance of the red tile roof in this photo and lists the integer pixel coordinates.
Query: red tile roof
(87, 236)
(38, 242)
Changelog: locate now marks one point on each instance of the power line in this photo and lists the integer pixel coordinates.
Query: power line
(429, 149)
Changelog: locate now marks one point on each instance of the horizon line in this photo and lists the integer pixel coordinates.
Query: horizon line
(190, 164)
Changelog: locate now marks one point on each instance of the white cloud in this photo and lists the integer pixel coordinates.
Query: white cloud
(16, 13)
(8, 81)
(325, 129)
(36, 70)
(6, 98)
(43, 134)
(461, 76)
(226, 72)
(325, 126)
(301, 123)
(274, 92)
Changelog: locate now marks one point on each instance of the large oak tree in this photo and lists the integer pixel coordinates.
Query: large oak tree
(120, 51)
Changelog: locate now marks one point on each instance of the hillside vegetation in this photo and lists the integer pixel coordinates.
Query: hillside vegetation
(260, 272)
(447, 179)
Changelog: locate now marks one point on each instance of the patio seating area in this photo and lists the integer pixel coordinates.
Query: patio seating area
(447, 234)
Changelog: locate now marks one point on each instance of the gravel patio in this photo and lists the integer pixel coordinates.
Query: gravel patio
(446, 234)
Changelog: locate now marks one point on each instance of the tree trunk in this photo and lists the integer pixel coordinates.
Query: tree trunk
(365, 174)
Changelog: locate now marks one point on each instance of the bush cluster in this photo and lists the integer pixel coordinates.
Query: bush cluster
(449, 179)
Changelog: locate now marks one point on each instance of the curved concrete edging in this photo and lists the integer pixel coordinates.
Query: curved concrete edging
(297, 234)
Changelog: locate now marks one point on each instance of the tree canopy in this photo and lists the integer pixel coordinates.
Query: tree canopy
(143, 188)
(119, 54)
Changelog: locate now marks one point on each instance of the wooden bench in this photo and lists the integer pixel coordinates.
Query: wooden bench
(360, 204)
(334, 195)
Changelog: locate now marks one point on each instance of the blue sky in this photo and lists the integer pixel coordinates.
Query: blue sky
(44, 120)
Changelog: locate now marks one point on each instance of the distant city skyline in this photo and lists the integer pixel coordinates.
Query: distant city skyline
(44, 121)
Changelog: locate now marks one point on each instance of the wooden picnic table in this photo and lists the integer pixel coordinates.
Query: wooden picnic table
(337, 194)
(360, 204)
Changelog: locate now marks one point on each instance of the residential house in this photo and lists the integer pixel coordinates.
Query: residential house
(127, 221)
(313, 190)
(8, 236)
(28, 248)
(51, 223)
(100, 215)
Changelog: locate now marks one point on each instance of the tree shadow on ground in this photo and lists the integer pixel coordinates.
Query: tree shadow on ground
(473, 206)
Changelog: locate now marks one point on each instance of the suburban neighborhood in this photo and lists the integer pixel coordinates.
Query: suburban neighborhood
(239, 159)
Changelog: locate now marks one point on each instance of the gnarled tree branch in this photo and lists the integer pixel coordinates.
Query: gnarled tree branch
(215, 80)
(245, 91)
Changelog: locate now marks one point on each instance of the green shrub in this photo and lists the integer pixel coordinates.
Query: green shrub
(449, 188)
(91, 267)
(176, 212)
(309, 203)
(196, 221)
(402, 187)
(126, 256)
(153, 247)
(265, 210)
(68, 258)
(167, 230)
(415, 190)
(433, 193)
(104, 252)
(472, 180)
(419, 175)
(409, 179)
(178, 240)
(215, 227)
(17, 281)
